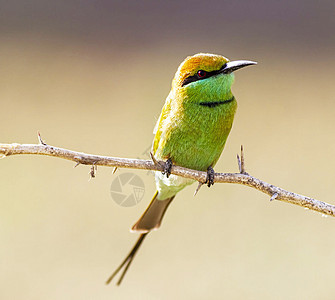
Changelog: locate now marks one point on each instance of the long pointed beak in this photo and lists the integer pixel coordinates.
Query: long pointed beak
(232, 66)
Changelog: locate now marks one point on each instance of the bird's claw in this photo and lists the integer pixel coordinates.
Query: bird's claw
(167, 168)
(210, 176)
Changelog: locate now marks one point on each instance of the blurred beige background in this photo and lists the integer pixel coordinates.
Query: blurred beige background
(92, 76)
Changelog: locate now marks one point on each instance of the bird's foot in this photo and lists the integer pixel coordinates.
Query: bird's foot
(210, 176)
(167, 168)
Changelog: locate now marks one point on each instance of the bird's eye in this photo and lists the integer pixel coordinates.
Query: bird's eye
(201, 73)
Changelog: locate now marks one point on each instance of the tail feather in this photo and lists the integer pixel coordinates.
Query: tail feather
(153, 215)
(151, 219)
(127, 261)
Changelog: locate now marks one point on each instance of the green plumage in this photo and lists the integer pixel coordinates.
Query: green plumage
(193, 135)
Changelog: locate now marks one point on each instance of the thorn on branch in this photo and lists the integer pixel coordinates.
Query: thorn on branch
(240, 161)
(40, 139)
(198, 188)
(114, 170)
(157, 163)
(77, 164)
(154, 160)
(274, 196)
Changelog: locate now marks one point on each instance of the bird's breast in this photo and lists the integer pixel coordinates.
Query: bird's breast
(196, 137)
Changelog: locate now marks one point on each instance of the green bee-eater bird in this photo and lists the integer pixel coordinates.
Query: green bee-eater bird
(191, 132)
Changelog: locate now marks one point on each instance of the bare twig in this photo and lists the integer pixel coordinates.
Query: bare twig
(274, 192)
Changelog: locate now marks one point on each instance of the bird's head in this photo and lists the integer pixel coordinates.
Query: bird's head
(206, 75)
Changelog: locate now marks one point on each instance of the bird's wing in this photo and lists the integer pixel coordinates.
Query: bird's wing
(159, 128)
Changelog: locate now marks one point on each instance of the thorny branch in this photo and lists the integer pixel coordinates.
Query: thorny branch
(243, 178)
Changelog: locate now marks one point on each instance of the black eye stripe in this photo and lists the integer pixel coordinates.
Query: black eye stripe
(195, 77)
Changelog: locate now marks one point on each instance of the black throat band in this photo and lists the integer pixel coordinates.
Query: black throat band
(216, 103)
